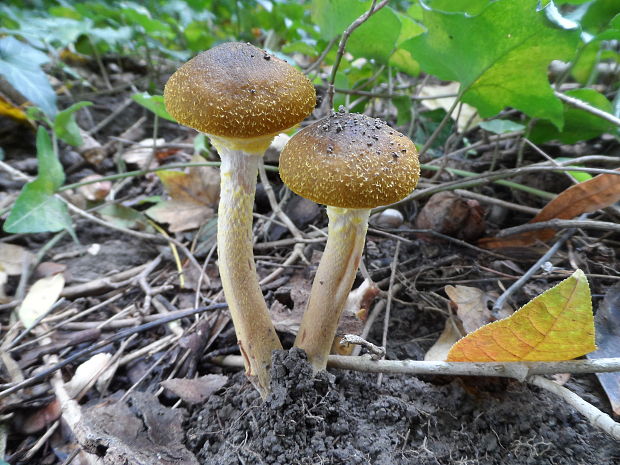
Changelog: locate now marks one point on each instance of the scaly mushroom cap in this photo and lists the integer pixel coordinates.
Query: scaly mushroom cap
(349, 160)
(238, 91)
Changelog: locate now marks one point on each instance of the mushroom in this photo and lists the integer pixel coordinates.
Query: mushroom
(241, 97)
(351, 163)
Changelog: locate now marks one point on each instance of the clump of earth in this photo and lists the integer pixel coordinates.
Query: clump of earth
(347, 418)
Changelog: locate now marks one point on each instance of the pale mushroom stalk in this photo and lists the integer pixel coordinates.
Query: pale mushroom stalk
(333, 281)
(351, 163)
(255, 332)
(241, 97)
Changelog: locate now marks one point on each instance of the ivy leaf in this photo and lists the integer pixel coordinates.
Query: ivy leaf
(500, 57)
(65, 126)
(37, 209)
(556, 325)
(20, 65)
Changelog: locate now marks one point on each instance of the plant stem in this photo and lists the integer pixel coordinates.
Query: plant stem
(332, 283)
(255, 332)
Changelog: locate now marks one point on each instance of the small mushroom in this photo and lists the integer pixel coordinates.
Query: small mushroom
(331, 163)
(241, 98)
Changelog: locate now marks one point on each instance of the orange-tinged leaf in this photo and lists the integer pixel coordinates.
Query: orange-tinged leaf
(591, 195)
(556, 325)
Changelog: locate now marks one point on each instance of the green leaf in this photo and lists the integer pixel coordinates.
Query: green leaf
(578, 175)
(376, 38)
(334, 16)
(66, 127)
(20, 65)
(471, 7)
(599, 14)
(500, 57)
(155, 103)
(579, 124)
(50, 169)
(501, 126)
(36, 209)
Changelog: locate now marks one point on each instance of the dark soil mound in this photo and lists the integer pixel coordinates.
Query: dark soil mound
(347, 419)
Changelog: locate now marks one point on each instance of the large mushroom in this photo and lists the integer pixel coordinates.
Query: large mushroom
(351, 163)
(241, 97)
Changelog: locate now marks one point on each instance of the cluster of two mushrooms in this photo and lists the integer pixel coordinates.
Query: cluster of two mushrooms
(241, 97)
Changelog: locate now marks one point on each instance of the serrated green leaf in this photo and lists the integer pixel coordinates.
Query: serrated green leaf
(501, 126)
(500, 57)
(66, 127)
(334, 16)
(579, 124)
(20, 65)
(376, 38)
(155, 103)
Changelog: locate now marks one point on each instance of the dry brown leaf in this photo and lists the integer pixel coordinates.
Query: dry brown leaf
(194, 196)
(42, 295)
(141, 153)
(588, 196)
(196, 390)
(14, 258)
(447, 213)
(471, 306)
(3, 297)
(296, 294)
(39, 419)
(86, 371)
(95, 191)
(467, 116)
(439, 351)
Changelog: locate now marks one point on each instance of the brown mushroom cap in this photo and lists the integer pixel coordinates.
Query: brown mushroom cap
(350, 161)
(238, 91)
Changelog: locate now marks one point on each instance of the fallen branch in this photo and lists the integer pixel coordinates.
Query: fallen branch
(560, 224)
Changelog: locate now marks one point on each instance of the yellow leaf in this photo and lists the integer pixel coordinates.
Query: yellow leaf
(12, 111)
(556, 325)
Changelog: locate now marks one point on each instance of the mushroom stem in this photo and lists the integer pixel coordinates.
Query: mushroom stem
(332, 283)
(255, 332)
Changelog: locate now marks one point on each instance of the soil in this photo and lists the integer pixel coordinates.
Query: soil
(345, 418)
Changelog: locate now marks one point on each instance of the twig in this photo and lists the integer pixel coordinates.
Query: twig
(494, 201)
(41, 375)
(438, 129)
(321, 57)
(388, 305)
(499, 303)
(374, 7)
(575, 102)
(377, 352)
(595, 416)
(560, 224)
(517, 370)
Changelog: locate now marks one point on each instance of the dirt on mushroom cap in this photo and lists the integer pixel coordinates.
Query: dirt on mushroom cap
(349, 160)
(237, 90)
